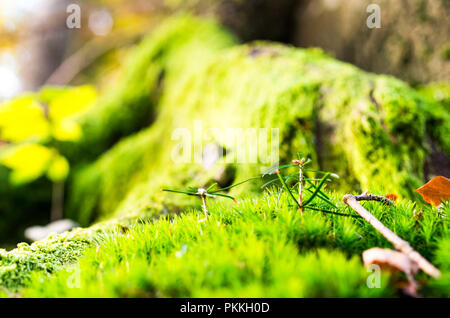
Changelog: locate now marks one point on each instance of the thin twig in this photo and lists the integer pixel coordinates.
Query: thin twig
(373, 197)
(300, 190)
(331, 212)
(399, 244)
(300, 163)
(205, 210)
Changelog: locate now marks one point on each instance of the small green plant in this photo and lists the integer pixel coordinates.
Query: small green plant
(305, 183)
(211, 192)
(300, 163)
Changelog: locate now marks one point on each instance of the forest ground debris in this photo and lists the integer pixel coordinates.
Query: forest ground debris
(399, 244)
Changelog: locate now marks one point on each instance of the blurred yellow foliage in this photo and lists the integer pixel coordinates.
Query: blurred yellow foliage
(31, 121)
(66, 130)
(27, 161)
(23, 118)
(59, 169)
(71, 102)
(30, 161)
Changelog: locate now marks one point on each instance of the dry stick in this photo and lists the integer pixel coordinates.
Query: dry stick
(373, 197)
(204, 206)
(300, 182)
(399, 244)
(300, 190)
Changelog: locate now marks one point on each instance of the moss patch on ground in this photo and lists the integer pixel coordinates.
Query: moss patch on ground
(261, 247)
(57, 252)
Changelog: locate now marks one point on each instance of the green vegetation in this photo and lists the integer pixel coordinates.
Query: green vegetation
(261, 247)
(446, 51)
(33, 123)
(374, 131)
(54, 253)
(364, 127)
(437, 92)
(180, 45)
(31, 126)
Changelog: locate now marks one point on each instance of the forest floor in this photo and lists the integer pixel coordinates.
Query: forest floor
(260, 247)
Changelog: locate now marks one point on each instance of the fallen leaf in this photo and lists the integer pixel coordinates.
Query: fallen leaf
(392, 196)
(436, 190)
(394, 261)
(390, 259)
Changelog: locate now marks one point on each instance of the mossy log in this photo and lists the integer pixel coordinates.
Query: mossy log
(367, 128)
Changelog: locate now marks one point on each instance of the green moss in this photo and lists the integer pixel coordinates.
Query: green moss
(446, 51)
(373, 130)
(189, 260)
(261, 248)
(437, 94)
(367, 128)
(56, 252)
(46, 256)
(180, 44)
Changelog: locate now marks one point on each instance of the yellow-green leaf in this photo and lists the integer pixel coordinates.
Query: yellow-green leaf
(71, 102)
(59, 169)
(23, 118)
(27, 162)
(66, 130)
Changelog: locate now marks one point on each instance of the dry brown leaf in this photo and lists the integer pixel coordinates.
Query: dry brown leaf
(390, 259)
(392, 196)
(436, 190)
(394, 261)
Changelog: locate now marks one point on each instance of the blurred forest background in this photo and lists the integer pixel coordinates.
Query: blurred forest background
(37, 48)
